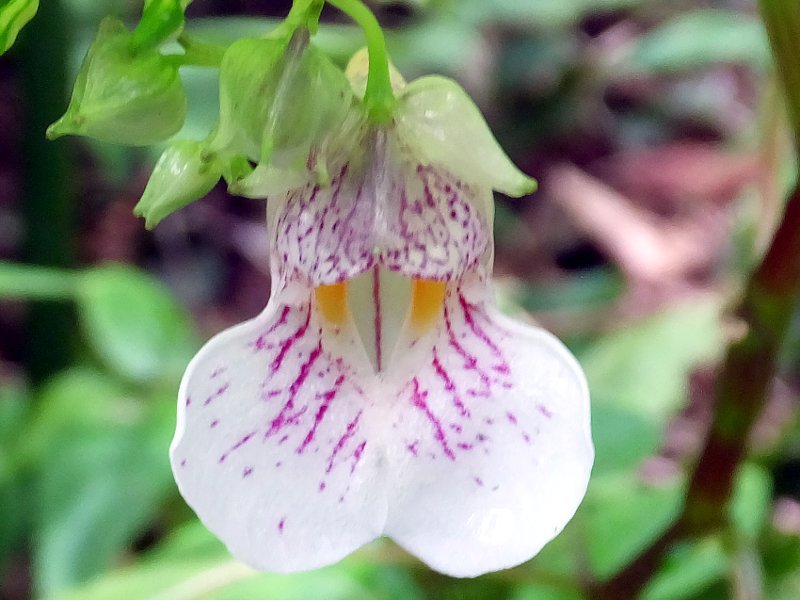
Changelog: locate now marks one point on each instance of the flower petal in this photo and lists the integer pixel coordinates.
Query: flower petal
(437, 119)
(492, 449)
(412, 219)
(270, 448)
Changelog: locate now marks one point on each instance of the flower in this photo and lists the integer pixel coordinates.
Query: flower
(381, 392)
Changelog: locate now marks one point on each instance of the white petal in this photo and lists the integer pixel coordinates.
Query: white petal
(490, 450)
(270, 448)
(437, 119)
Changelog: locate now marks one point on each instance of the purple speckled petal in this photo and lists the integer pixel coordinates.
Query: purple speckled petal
(490, 448)
(410, 218)
(271, 448)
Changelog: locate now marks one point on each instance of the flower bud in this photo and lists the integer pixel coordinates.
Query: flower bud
(184, 173)
(279, 103)
(123, 95)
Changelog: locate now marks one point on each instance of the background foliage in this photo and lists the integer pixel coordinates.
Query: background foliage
(658, 135)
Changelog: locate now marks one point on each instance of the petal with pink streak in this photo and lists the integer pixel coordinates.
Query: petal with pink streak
(490, 452)
(271, 448)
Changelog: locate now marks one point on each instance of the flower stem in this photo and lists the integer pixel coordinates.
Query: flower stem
(745, 379)
(199, 53)
(379, 98)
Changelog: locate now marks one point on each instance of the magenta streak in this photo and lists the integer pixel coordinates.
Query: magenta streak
(418, 399)
(349, 432)
(480, 333)
(327, 397)
(281, 524)
(357, 453)
(543, 409)
(220, 391)
(376, 299)
(449, 386)
(217, 372)
(247, 472)
(236, 446)
(471, 363)
(413, 448)
(287, 344)
(284, 418)
(511, 418)
(261, 342)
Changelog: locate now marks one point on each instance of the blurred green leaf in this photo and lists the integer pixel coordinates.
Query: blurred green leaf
(688, 570)
(14, 15)
(698, 39)
(622, 515)
(545, 592)
(30, 282)
(751, 501)
(134, 324)
(587, 289)
(192, 563)
(13, 484)
(103, 476)
(644, 367)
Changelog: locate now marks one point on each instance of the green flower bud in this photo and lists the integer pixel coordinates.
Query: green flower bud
(184, 173)
(14, 15)
(279, 103)
(123, 95)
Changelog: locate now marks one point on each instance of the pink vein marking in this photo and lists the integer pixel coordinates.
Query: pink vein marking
(261, 343)
(376, 299)
(480, 333)
(449, 385)
(236, 446)
(357, 455)
(418, 400)
(349, 432)
(220, 391)
(471, 363)
(327, 397)
(287, 344)
(282, 419)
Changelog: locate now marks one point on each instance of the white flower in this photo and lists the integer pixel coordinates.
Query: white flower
(380, 392)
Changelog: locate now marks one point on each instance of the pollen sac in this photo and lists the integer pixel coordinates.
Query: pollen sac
(122, 94)
(415, 220)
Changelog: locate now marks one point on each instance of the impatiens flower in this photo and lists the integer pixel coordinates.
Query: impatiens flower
(381, 392)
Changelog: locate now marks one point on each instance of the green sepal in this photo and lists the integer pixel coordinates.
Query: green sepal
(161, 20)
(185, 172)
(123, 95)
(280, 103)
(441, 124)
(14, 15)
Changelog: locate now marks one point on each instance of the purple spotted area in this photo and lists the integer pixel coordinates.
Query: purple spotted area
(416, 220)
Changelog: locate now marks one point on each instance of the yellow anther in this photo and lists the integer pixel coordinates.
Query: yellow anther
(332, 302)
(427, 299)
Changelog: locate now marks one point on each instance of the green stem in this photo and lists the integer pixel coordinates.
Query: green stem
(379, 97)
(198, 53)
(48, 201)
(745, 380)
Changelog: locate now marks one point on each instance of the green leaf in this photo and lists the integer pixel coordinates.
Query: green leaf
(192, 563)
(688, 570)
(751, 501)
(622, 516)
(134, 324)
(545, 592)
(697, 39)
(29, 282)
(14, 15)
(104, 474)
(644, 367)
